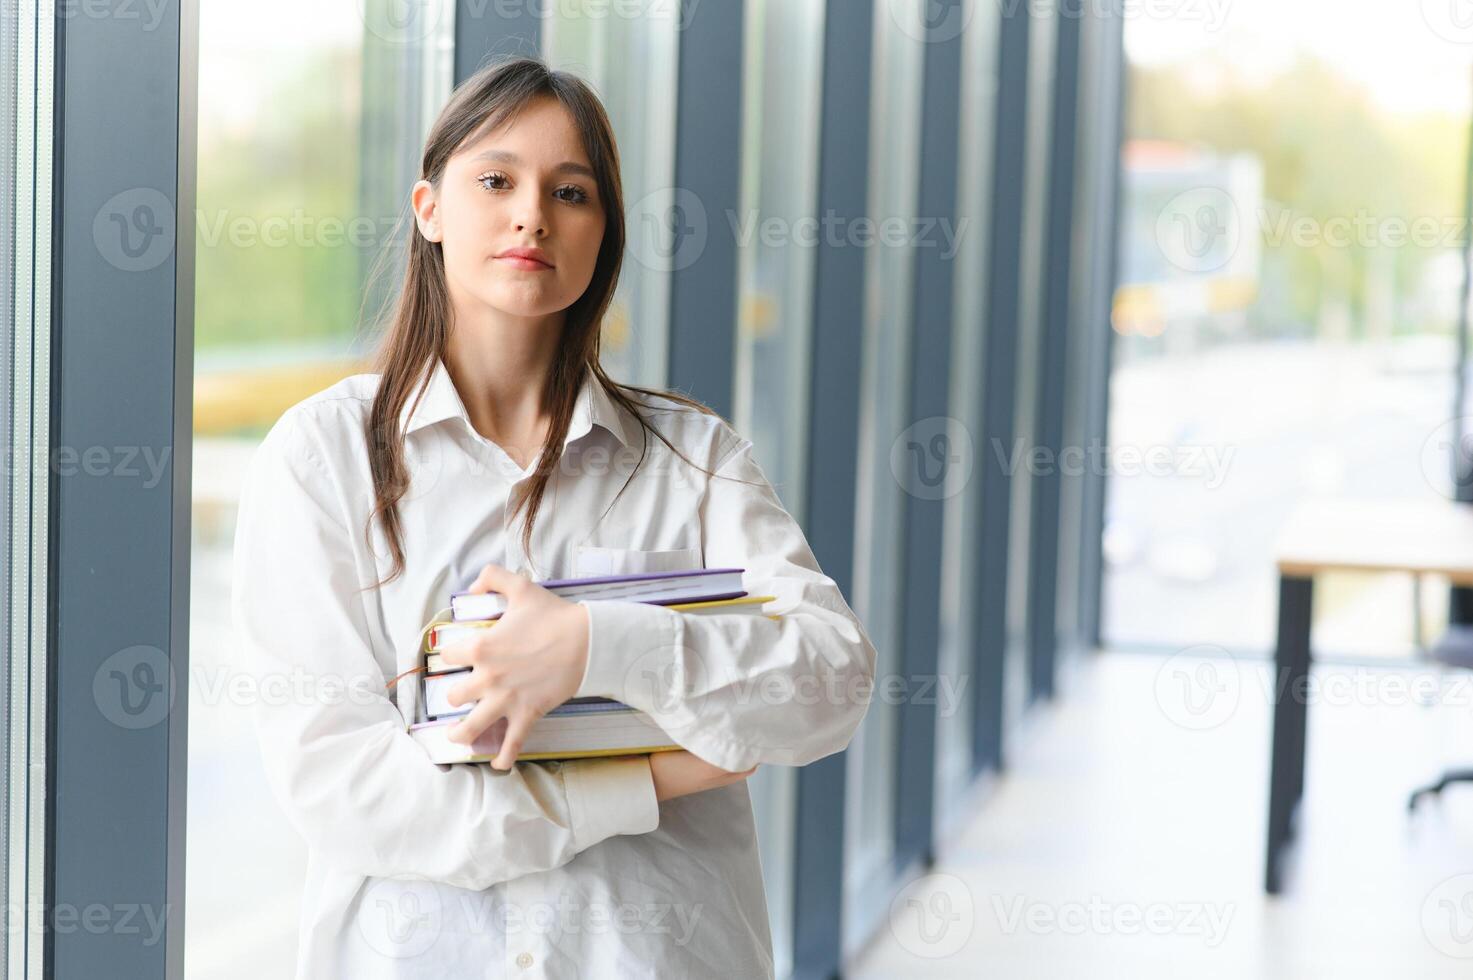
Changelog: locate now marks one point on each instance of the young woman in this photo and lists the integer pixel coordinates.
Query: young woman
(490, 450)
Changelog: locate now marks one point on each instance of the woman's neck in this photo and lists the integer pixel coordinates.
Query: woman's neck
(500, 365)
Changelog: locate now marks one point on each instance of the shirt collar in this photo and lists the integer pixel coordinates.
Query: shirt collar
(593, 406)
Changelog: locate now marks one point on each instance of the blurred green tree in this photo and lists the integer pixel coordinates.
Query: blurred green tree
(1330, 153)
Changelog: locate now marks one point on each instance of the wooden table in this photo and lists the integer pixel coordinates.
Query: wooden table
(1415, 537)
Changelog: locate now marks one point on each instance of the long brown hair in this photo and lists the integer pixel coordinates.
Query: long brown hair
(420, 323)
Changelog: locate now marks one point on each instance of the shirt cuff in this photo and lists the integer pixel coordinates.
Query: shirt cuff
(628, 644)
(607, 797)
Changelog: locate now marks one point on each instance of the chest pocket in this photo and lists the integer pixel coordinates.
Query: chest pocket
(593, 560)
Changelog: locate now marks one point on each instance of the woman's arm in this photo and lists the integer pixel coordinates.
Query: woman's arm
(335, 750)
(738, 690)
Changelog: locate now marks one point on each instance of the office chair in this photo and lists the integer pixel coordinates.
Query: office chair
(1453, 649)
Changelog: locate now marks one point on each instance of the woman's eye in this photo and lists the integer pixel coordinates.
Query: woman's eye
(569, 193)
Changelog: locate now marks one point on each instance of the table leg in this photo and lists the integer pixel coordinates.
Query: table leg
(1286, 765)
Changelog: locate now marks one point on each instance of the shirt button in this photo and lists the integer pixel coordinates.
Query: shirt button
(524, 960)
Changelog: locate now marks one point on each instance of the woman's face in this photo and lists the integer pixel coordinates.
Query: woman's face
(528, 185)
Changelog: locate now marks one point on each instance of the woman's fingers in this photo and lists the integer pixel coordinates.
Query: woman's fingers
(511, 745)
(467, 690)
(465, 651)
(494, 578)
(481, 717)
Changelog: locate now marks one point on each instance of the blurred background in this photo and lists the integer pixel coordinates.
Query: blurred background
(1111, 291)
(1279, 221)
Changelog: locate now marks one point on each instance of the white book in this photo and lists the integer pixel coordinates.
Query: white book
(659, 587)
(580, 728)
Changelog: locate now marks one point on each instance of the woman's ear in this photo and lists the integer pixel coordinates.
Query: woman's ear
(426, 210)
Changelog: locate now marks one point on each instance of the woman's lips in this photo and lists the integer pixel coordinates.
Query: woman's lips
(531, 265)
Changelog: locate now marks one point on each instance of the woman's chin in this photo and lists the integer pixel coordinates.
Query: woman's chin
(517, 303)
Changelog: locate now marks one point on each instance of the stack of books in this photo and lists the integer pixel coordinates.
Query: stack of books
(582, 727)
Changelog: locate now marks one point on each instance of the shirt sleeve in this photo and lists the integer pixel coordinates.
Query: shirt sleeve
(357, 787)
(737, 689)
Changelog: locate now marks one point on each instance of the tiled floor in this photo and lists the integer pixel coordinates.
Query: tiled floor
(1127, 838)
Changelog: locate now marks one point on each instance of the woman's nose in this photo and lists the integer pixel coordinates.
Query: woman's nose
(530, 214)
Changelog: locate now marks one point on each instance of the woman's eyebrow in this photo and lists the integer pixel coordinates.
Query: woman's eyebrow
(503, 156)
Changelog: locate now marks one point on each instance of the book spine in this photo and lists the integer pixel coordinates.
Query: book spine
(437, 695)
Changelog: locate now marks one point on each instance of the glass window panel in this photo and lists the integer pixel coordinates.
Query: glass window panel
(11, 551)
(959, 558)
(895, 138)
(27, 56)
(781, 102)
(309, 141)
(779, 192)
(1027, 379)
(630, 62)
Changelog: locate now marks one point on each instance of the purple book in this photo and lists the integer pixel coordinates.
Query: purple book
(662, 588)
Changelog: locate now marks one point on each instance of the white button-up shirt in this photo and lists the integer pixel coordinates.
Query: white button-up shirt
(565, 869)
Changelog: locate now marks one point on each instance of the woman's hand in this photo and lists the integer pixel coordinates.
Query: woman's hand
(679, 773)
(530, 662)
